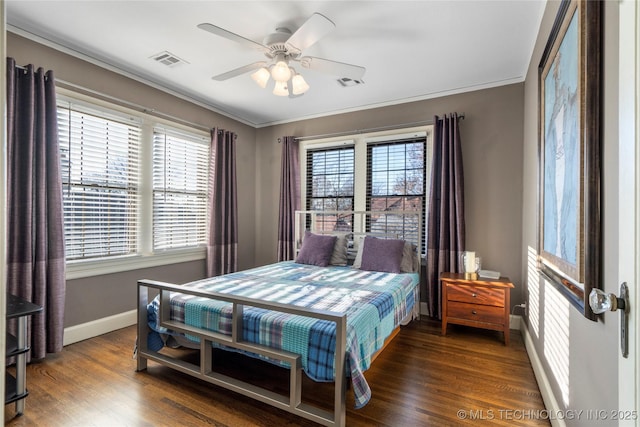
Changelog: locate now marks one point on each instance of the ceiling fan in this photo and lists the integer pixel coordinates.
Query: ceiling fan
(283, 48)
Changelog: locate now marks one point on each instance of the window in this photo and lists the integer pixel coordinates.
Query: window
(330, 185)
(396, 182)
(180, 172)
(100, 175)
(371, 172)
(134, 188)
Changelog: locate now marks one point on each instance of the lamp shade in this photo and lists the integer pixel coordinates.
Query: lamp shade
(300, 86)
(281, 72)
(281, 89)
(261, 77)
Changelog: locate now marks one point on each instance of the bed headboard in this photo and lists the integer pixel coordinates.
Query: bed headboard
(405, 225)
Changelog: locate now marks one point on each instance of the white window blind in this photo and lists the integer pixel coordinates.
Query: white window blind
(100, 173)
(180, 179)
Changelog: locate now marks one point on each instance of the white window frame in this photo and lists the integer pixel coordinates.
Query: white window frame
(76, 269)
(360, 142)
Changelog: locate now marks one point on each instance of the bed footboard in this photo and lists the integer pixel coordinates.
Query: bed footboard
(292, 403)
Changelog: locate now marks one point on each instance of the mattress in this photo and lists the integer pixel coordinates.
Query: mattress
(375, 304)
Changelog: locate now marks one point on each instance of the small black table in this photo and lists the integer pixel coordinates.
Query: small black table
(16, 388)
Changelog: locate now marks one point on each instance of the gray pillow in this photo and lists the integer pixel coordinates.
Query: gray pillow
(359, 243)
(316, 249)
(339, 255)
(383, 255)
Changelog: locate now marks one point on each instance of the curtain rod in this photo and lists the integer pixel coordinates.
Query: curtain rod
(133, 106)
(24, 68)
(376, 129)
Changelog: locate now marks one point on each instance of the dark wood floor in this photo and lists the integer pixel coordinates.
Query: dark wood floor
(421, 379)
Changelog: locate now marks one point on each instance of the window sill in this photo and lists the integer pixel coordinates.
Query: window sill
(89, 268)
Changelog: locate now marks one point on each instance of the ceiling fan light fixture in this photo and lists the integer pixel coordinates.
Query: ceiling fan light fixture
(281, 89)
(300, 86)
(283, 47)
(261, 77)
(280, 71)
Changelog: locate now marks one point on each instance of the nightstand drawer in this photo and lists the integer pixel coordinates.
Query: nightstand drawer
(475, 312)
(476, 294)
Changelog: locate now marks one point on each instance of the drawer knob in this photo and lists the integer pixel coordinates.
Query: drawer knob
(474, 295)
(474, 312)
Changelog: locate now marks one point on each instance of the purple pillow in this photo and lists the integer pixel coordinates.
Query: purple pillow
(316, 249)
(382, 254)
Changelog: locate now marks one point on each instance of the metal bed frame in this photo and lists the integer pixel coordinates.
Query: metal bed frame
(147, 289)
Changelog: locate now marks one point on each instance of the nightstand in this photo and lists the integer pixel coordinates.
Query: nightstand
(478, 302)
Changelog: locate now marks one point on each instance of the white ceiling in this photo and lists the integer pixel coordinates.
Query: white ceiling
(411, 50)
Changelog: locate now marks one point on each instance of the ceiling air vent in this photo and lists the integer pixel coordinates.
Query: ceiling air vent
(347, 82)
(168, 59)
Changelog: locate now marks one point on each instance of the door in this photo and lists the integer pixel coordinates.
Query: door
(629, 199)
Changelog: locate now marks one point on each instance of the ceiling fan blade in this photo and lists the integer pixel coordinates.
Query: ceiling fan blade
(340, 69)
(239, 71)
(233, 37)
(314, 28)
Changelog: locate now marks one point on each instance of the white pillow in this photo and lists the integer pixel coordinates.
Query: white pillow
(409, 258)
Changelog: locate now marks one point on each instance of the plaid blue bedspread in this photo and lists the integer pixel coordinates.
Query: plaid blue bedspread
(375, 304)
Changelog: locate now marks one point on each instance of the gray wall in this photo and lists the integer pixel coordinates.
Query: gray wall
(100, 296)
(491, 136)
(579, 356)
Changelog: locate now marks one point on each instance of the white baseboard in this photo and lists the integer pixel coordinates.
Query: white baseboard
(549, 399)
(97, 327)
(424, 308)
(515, 321)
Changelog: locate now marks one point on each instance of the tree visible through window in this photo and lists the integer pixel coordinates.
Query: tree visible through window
(396, 182)
(382, 173)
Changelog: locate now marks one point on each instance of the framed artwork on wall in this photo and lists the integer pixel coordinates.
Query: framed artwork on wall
(569, 234)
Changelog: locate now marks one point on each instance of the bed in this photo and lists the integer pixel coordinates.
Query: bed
(354, 281)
